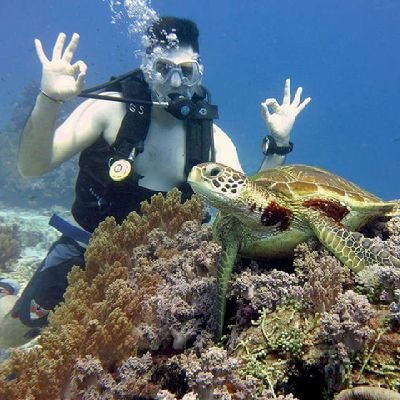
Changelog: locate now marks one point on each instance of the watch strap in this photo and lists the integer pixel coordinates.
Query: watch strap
(269, 147)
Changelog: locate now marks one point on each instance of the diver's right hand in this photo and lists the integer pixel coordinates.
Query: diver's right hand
(61, 80)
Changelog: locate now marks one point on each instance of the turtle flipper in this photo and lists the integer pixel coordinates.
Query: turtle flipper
(395, 212)
(224, 273)
(224, 233)
(352, 248)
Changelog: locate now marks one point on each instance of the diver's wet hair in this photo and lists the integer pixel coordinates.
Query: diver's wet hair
(162, 32)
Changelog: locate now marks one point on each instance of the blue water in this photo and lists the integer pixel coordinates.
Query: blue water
(344, 53)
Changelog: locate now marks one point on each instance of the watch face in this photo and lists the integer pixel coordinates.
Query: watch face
(266, 145)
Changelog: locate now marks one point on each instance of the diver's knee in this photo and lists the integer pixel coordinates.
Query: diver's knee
(13, 332)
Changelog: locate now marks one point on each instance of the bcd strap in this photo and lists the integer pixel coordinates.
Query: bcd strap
(66, 228)
(199, 131)
(136, 122)
(199, 143)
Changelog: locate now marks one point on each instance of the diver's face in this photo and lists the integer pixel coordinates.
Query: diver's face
(175, 71)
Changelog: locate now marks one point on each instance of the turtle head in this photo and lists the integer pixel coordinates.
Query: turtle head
(218, 184)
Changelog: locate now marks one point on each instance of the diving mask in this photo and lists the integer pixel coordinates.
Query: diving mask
(189, 71)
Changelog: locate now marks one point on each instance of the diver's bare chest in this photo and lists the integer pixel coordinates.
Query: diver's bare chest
(163, 157)
(164, 150)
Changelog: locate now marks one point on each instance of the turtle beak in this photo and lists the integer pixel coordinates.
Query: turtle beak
(194, 175)
(195, 179)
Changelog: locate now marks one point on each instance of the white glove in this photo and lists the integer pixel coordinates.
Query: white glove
(61, 80)
(280, 121)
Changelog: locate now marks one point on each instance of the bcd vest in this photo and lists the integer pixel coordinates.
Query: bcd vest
(97, 196)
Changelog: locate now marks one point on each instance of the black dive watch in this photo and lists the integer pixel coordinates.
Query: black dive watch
(269, 147)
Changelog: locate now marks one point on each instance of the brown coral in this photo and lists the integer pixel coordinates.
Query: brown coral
(106, 310)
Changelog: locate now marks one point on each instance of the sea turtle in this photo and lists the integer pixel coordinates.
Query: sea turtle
(269, 214)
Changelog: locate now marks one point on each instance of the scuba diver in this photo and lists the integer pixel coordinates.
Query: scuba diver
(137, 135)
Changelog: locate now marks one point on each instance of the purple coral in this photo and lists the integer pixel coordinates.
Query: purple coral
(392, 229)
(184, 304)
(208, 374)
(346, 323)
(322, 275)
(324, 284)
(256, 290)
(183, 308)
(380, 284)
(389, 278)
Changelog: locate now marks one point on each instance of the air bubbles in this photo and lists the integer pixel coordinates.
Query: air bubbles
(141, 16)
(138, 15)
(116, 10)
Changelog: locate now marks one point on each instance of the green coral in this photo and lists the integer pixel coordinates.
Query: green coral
(380, 362)
(274, 344)
(282, 332)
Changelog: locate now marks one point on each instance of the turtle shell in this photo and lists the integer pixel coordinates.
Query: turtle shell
(302, 182)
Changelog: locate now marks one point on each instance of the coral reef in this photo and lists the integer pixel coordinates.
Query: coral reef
(213, 369)
(137, 322)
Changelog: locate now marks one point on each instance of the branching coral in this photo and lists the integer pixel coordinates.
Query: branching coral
(132, 379)
(215, 375)
(184, 303)
(379, 283)
(391, 231)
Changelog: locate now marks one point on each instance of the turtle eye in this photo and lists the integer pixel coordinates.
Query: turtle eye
(214, 171)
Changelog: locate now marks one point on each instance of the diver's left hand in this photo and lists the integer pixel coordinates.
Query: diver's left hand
(280, 121)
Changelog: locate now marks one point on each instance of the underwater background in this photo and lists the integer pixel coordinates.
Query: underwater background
(136, 323)
(344, 53)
